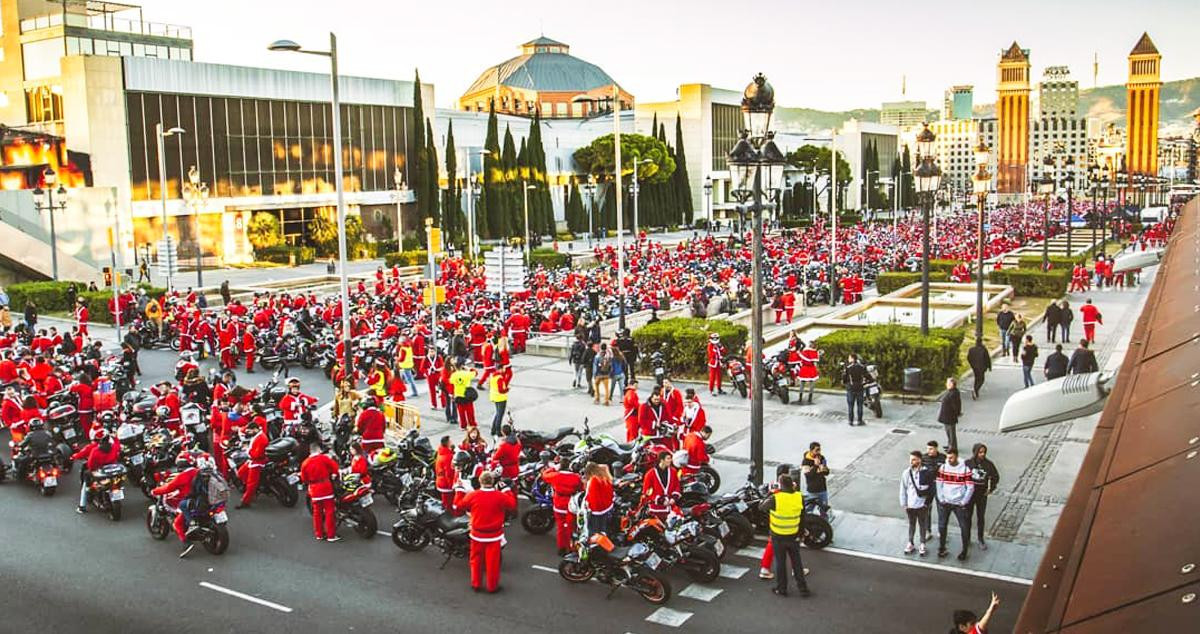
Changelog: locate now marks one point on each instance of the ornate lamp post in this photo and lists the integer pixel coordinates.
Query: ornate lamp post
(1093, 179)
(708, 202)
(43, 200)
(1045, 187)
(195, 193)
(756, 165)
(401, 195)
(589, 190)
(981, 182)
(927, 176)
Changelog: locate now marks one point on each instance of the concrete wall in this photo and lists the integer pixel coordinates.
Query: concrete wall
(81, 230)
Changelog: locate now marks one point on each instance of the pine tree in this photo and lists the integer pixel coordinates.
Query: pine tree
(540, 198)
(452, 218)
(420, 184)
(491, 203)
(683, 185)
(510, 186)
(431, 176)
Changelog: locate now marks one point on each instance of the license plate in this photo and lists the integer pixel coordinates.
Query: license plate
(68, 433)
(406, 479)
(653, 561)
(719, 548)
(116, 495)
(781, 382)
(201, 427)
(50, 481)
(366, 500)
(723, 529)
(137, 458)
(220, 517)
(741, 507)
(293, 478)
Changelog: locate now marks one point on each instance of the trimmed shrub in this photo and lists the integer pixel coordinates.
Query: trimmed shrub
(564, 236)
(847, 219)
(891, 349)
(945, 266)
(684, 342)
(1056, 262)
(407, 258)
(45, 295)
(548, 258)
(1033, 282)
(889, 281)
(283, 254)
(793, 222)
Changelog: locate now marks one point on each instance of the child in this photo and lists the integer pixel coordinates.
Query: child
(965, 621)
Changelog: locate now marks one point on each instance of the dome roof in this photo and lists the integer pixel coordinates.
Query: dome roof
(548, 70)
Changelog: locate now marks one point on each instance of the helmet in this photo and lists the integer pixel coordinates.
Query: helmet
(545, 456)
(714, 337)
(293, 382)
(205, 461)
(384, 456)
(183, 460)
(36, 424)
(680, 458)
(162, 411)
(462, 460)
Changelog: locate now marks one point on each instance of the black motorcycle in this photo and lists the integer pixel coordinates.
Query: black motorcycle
(280, 476)
(428, 522)
(211, 528)
(633, 566)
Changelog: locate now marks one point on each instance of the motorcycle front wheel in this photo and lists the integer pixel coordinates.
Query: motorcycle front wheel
(785, 395)
(710, 477)
(703, 565)
(741, 531)
(538, 521)
(817, 531)
(575, 571)
(217, 541)
(410, 537)
(156, 526)
(651, 585)
(741, 388)
(114, 511)
(286, 494)
(365, 522)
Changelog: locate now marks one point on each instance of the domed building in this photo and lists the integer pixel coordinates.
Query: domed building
(545, 77)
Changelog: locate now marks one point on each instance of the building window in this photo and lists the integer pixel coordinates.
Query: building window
(41, 58)
(43, 104)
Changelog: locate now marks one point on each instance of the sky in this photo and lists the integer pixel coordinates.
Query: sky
(825, 55)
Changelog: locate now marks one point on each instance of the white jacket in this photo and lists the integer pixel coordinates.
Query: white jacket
(911, 489)
(954, 484)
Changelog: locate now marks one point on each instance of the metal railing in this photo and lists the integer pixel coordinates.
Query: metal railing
(106, 22)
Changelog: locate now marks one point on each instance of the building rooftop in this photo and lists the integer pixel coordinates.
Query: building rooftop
(1144, 46)
(552, 70)
(1015, 53)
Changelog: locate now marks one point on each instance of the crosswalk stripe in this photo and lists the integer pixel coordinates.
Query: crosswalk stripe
(752, 552)
(732, 572)
(700, 592)
(669, 617)
(544, 568)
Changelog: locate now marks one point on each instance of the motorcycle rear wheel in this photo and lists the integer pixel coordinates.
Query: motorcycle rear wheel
(157, 527)
(741, 531)
(785, 395)
(286, 495)
(217, 541)
(817, 531)
(174, 345)
(114, 511)
(410, 537)
(652, 586)
(538, 520)
(365, 522)
(48, 491)
(703, 565)
(575, 571)
(877, 407)
(741, 388)
(710, 477)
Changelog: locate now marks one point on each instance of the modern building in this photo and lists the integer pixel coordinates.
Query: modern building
(1177, 159)
(1012, 120)
(1058, 94)
(903, 114)
(856, 141)
(959, 103)
(1141, 113)
(545, 77)
(955, 152)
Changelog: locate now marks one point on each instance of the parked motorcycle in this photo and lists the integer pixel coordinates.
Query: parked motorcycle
(874, 392)
(428, 522)
(634, 566)
(210, 529)
(737, 374)
(280, 476)
(42, 471)
(680, 544)
(106, 490)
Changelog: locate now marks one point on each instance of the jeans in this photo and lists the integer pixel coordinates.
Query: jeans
(855, 398)
(1004, 344)
(1027, 373)
(963, 514)
(1051, 332)
(951, 435)
(917, 517)
(787, 547)
(617, 380)
(407, 375)
(979, 506)
(451, 411)
(819, 499)
(496, 420)
(1066, 333)
(579, 374)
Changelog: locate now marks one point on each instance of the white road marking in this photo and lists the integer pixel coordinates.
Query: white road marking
(245, 597)
(931, 566)
(544, 568)
(750, 551)
(732, 572)
(384, 533)
(669, 617)
(700, 592)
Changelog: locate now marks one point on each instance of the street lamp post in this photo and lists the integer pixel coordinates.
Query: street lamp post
(1045, 186)
(49, 179)
(1093, 176)
(401, 190)
(590, 189)
(525, 187)
(927, 177)
(634, 188)
(981, 182)
(708, 211)
(754, 159)
(159, 136)
(1068, 181)
(195, 193)
(472, 237)
(336, 108)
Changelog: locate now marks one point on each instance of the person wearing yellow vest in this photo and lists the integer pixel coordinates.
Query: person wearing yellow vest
(786, 510)
(498, 391)
(405, 363)
(377, 381)
(464, 395)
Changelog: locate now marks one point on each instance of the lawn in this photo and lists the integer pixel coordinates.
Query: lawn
(1031, 307)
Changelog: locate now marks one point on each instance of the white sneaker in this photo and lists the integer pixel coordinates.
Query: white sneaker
(921, 549)
(764, 573)
(908, 549)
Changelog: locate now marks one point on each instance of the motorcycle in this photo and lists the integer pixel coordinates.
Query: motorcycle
(874, 392)
(428, 522)
(659, 365)
(538, 519)
(778, 381)
(210, 529)
(680, 544)
(816, 531)
(42, 471)
(280, 476)
(634, 566)
(534, 443)
(737, 374)
(106, 490)
(352, 503)
(196, 423)
(161, 448)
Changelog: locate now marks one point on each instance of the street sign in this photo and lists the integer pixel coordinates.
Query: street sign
(435, 241)
(441, 295)
(504, 270)
(168, 257)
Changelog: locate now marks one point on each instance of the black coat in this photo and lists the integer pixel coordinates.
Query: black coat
(1083, 361)
(1005, 319)
(1053, 315)
(985, 474)
(951, 407)
(1056, 365)
(979, 359)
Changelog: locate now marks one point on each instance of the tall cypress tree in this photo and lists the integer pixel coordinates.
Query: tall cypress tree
(419, 161)
(510, 186)
(431, 176)
(683, 185)
(491, 204)
(452, 219)
(527, 213)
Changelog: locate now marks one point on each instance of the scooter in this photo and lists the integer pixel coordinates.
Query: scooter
(874, 392)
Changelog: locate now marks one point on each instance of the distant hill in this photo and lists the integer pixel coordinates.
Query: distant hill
(1107, 103)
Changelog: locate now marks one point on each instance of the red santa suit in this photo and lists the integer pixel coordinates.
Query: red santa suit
(317, 472)
(487, 508)
(1091, 317)
(632, 408)
(660, 488)
(177, 489)
(715, 352)
(251, 470)
(370, 425)
(564, 484)
(445, 476)
(81, 319)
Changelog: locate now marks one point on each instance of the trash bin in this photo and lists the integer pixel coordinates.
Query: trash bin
(912, 380)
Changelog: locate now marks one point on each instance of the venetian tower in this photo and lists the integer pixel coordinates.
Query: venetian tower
(1012, 114)
(1141, 113)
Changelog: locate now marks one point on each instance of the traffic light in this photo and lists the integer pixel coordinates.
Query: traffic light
(108, 277)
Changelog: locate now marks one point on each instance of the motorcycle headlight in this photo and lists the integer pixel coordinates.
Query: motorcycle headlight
(638, 550)
(672, 537)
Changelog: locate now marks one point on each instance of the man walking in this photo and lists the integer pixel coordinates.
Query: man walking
(914, 486)
(986, 477)
(980, 361)
(1053, 318)
(1056, 364)
(954, 491)
(786, 509)
(1083, 360)
(1029, 354)
(1004, 319)
(854, 377)
(948, 412)
(1091, 317)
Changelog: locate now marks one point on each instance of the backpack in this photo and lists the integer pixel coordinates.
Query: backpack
(209, 489)
(605, 367)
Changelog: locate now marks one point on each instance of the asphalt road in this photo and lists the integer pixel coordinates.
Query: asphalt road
(63, 572)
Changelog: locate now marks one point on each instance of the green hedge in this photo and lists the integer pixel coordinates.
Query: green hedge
(796, 222)
(45, 295)
(416, 257)
(686, 341)
(548, 258)
(945, 266)
(892, 348)
(283, 254)
(847, 219)
(889, 281)
(97, 302)
(1033, 282)
(1056, 261)
(564, 236)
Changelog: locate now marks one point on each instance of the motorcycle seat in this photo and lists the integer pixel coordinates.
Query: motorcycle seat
(449, 523)
(619, 553)
(110, 471)
(626, 446)
(281, 447)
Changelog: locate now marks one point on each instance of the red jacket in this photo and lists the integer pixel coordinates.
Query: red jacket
(97, 458)
(673, 404)
(317, 472)
(258, 449)
(650, 417)
(599, 495)
(508, 456)
(697, 453)
(1091, 314)
(487, 508)
(370, 424)
(86, 401)
(565, 484)
(443, 470)
(654, 487)
(180, 482)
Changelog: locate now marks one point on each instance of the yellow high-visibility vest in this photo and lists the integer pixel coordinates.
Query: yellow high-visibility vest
(406, 361)
(785, 517)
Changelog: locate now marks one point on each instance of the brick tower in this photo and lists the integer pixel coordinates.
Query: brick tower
(1141, 113)
(1012, 114)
